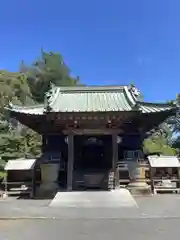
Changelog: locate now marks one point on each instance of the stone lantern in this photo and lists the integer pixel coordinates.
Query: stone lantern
(138, 182)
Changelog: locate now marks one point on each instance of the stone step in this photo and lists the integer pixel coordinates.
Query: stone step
(111, 199)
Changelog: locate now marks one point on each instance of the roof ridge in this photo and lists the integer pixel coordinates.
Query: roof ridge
(93, 88)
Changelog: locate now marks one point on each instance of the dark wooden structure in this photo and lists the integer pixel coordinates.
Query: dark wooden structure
(20, 177)
(87, 129)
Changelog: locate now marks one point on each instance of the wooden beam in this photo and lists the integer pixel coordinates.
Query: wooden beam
(70, 162)
(103, 131)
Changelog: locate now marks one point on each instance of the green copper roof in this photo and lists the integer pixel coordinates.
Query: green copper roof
(92, 99)
(33, 110)
(154, 107)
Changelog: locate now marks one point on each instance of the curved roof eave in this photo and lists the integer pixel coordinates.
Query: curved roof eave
(29, 110)
(147, 107)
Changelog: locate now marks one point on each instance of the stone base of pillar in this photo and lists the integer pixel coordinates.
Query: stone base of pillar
(139, 188)
(48, 189)
(49, 175)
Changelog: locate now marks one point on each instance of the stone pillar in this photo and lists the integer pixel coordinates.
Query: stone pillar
(49, 176)
(70, 164)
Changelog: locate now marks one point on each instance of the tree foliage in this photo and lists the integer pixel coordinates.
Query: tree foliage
(28, 87)
(49, 68)
(174, 124)
(14, 88)
(166, 140)
(160, 141)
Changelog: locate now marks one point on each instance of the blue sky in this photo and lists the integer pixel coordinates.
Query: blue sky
(103, 42)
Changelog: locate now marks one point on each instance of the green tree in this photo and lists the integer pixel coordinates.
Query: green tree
(14, 88)
(50, 68)
(17, 143)
(160, 141)
(32, 142)
(23, 88)
(174, 123)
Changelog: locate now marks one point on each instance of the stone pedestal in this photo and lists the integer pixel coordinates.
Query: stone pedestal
(49, 176)
(137, 183)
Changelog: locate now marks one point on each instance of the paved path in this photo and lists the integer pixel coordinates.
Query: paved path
(80, 229)
(160, 206)
(156, 218)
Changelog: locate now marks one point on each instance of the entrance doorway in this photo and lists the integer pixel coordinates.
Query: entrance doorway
(92, 154)
(92, 161)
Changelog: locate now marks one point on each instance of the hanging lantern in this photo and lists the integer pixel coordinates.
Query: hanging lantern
(119, 139)
(66, 140)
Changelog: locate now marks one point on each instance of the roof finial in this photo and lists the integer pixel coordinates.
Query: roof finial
(52, 85)
(46, 101)
(47, 104)
(49, 95)
(134, 91)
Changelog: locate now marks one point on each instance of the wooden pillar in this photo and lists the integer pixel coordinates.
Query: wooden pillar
(6, 183)
(114, 160)
(44, 143)
(70, 162)
(151, 179)
(33, 194)
(178, 177)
